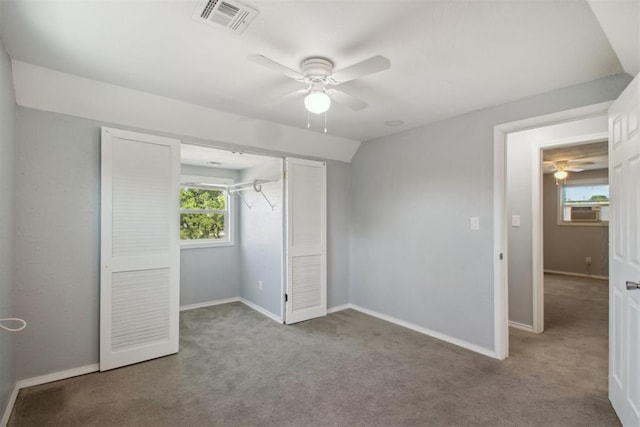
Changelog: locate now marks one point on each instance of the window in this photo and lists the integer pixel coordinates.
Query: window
(204, 212)
(584, 203)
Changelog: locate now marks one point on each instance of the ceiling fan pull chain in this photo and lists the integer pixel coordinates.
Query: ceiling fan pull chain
(308, 120)
(325, 122)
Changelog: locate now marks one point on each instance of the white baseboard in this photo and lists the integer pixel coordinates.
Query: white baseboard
(429, 332)
(261, 310)
(57, 376)
(569, 273)
(338, 308)
(208, 303)
(9, 408)
(522, 326)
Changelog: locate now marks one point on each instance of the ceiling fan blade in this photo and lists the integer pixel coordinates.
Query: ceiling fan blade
(572, 169)
(345, 99)
(363, 68)
(578, 163)
(283, 98)
(294, 94)
(275, 66)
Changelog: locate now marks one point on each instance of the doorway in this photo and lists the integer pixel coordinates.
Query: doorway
(563, 145)
(546, 131)
(253, 229)
(232, 227)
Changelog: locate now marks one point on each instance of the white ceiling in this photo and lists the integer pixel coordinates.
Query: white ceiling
(447, 57)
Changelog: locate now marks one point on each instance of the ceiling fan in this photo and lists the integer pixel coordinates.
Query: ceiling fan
(319, 77)
(561, 168)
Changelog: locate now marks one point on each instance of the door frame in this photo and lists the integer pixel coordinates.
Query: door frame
(500, 223)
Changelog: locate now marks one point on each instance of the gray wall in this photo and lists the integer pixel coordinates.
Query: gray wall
(413, 256)
(57, 246)
(7, 223)
(211, 274)
(566, 246)
(262, 239)
(520, 149)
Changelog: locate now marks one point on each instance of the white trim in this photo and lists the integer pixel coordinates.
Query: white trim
(521, 326)
(569, 273)
(537, 238)
(209, 303)
(57, 376)
(261, 310)
(500, 255)
(208, 243)
(338, 308)
(425, 331)
(500, 285)
(9, 409)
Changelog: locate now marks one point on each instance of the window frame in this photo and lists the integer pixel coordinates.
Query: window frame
(222, 184)
(576, 183)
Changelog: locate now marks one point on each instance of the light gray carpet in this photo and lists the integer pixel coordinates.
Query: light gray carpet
(238, 368)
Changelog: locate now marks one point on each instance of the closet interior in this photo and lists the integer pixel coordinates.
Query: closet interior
(232, 229)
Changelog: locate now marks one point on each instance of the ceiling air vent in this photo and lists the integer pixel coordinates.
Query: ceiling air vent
(231, 15)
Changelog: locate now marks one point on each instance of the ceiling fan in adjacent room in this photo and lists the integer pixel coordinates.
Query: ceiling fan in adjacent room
(319, 78)
(561, 168)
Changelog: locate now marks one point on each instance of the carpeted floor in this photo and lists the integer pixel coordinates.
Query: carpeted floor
(238, 368)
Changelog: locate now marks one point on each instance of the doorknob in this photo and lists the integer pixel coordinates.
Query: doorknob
(632, 285)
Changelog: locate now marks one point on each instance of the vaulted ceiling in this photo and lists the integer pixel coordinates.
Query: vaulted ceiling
(447, 57)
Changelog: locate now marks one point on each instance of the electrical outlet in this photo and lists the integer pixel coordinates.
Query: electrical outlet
(587, 260)
(259, 285)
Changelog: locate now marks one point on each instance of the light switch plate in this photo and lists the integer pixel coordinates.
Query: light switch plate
(515, 220)
(475, 223)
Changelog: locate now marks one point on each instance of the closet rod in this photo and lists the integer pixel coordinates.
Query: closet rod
(256, 184)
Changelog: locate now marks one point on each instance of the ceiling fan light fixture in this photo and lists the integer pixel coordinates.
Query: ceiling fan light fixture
(560, 175)
(317, 102)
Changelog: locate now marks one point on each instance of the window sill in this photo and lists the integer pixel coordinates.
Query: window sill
(204, 244)
(585, 224)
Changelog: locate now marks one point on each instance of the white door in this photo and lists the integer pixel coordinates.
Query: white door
(624, 249)
(140, 247)
(306, 259)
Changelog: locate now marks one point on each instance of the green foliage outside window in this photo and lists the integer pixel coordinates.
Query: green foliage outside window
(203, 213)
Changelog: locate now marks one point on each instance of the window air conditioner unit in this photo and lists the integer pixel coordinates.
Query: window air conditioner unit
(585, 213)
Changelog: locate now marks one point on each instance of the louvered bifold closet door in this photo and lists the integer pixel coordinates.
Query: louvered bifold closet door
(306, 218)
(140, 247)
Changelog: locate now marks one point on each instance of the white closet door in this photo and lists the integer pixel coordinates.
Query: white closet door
(306, 218)
(624, 258)
(140, 248)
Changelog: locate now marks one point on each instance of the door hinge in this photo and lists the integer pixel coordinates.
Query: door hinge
(501, 256)
(286, 297)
